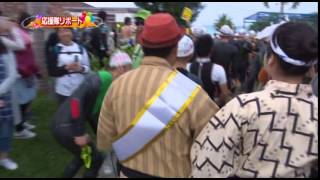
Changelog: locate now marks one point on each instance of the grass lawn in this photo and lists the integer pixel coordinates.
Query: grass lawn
(41, 156)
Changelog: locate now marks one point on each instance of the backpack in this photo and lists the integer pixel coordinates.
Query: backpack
(26, 64)
(26, 60)
(204, 73)
(57, 50)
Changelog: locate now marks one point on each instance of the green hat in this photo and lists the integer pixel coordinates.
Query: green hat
(144, 14)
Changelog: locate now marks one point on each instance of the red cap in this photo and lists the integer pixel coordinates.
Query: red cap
(160, 30)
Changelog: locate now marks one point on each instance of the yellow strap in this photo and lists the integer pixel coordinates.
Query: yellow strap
(169, 125)
(147, 106)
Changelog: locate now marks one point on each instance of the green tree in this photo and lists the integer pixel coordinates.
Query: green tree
(174, 8)
(283, 4)
(224, 20)
(260, 25)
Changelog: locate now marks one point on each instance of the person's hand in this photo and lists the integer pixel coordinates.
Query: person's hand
(82, 140)
(2, 103)
(74, 67)
(71, 67)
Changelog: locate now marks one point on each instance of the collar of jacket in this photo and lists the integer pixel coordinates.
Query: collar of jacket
(284, 88)
(155, 61)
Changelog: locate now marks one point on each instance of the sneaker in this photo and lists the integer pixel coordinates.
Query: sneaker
(8, 164)
(28, 126)
(25, 134)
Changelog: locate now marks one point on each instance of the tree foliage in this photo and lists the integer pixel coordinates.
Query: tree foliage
(283, 4)
(260, 25)
(174, 8)
(224, 20)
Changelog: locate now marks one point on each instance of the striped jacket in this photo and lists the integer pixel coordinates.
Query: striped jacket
(169, 156)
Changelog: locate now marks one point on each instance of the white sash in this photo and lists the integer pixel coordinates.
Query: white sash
(157, 116)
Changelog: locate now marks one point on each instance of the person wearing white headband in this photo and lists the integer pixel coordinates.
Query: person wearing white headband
(225, 30)
(271, 133)
(277, 49)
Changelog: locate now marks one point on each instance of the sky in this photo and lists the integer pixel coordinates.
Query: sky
(237, 11)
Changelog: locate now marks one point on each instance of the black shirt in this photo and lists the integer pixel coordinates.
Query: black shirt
(87, 94)
(242, 62)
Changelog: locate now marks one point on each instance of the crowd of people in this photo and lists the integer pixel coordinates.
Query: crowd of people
(179, 104)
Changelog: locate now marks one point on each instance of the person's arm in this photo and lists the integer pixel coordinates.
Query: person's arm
(16, 43)
(219, 75)
(106, 125)
(52, 65)
(12, 75)
(219, 142)
(225, 95)
(202, 109)
(50, 44)
(77, 113)
(252, 75)
(235, 59)
(81, 103)
(81, 138)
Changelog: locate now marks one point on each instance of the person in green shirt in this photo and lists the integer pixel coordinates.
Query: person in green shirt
(137, 55)
(120, 63)
(84, 106)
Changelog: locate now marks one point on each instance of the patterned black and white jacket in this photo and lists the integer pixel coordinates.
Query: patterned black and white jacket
(271, 133)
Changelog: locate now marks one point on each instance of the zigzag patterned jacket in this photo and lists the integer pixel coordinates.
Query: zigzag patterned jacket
(271, 133)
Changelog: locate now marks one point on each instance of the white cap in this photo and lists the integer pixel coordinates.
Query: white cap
(226, 30)
(119, 58)
(252, 33)
(242, 31)
(185, 47)
(198, 31)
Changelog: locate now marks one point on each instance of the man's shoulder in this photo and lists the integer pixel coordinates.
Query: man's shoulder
(217, 70)
(195, 79)
(218, 66)
(254, 97)
(190, 76)
(133, 74)
(124, 77)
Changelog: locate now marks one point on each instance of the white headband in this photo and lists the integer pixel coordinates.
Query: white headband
(276, 48)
